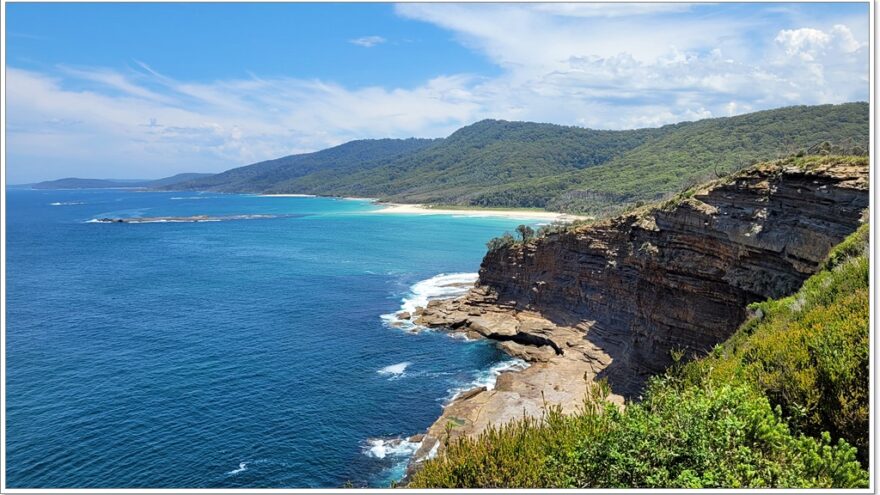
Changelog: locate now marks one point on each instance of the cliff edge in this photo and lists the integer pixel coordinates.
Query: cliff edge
(616, 299)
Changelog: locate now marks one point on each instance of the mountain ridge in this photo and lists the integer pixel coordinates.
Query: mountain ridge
(498, 163)
(80, 183)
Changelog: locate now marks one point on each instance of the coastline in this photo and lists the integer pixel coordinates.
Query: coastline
(426, 209)
(420, 209)
(562, 365)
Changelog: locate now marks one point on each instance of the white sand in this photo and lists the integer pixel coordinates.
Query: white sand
(413, 209)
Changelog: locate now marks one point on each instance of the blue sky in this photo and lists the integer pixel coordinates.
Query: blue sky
(148, 90)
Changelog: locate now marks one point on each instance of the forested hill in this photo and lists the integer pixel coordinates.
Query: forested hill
(77, 183)
(523, 164)
(338, 162)
(480, 156)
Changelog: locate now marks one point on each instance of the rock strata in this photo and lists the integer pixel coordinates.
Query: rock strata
(612, 300)
(679, 276)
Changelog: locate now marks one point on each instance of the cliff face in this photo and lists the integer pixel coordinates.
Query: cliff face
(613, 300)
(680, 276)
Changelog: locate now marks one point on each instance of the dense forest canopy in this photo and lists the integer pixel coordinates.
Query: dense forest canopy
(496, 163)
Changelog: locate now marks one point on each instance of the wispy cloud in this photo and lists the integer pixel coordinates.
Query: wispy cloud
(368, 41)
(559, 64)
(121, 124)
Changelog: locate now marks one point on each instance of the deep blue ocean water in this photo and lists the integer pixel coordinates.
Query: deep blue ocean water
(243, 353)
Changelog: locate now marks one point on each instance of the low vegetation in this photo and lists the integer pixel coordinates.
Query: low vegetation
(783, 403)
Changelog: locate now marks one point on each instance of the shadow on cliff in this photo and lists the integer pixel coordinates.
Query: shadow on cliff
(634, 357)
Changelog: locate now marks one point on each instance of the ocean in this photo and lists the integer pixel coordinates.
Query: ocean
(257, 351)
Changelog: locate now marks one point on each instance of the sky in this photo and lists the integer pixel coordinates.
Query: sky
(147, 90)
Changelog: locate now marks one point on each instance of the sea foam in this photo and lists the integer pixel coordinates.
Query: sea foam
(381, 448)
(443, 286)
(488, 377)
(395, 370)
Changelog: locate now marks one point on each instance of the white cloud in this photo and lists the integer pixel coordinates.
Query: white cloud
(809, 44)
(206, 127)
(568, 64)
(368, 41)
(536, 36)
(610, 9)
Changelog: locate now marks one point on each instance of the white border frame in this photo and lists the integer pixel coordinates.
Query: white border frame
(873, 296)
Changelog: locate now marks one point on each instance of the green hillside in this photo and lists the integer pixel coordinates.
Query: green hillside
(342, 160)
(782, 403)
(76, 183)
(686, 154)
(496, 163)
(483, 155)
(692, 153)
(175, 179)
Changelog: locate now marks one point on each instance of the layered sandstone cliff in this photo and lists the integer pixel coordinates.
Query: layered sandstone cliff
(615, 299)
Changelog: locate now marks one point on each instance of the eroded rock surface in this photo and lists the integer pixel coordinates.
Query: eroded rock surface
(680, 276)
(613, 299)
(562, 365)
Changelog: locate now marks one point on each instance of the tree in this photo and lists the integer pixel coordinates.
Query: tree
(525, 232)
(500, 242)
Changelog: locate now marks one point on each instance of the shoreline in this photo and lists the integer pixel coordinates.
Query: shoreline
(562, 364)
(424, 209)
(420, 209)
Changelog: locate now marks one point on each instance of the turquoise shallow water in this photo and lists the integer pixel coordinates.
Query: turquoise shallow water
(242, 353)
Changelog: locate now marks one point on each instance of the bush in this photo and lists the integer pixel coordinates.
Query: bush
(782, 403)
(500, 242)
(694, 437)
(809, 353)
(525, 232)
(555, 227)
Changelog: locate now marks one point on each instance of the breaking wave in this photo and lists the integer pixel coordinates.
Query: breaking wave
(488, 377)
(443, 286)
(380, 448)
(395, 370)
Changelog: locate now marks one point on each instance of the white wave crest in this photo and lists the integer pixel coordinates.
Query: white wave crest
(242, 466)
(395, 370)
(488, 377)
(381, 448)
(443, 286)
(433, 452)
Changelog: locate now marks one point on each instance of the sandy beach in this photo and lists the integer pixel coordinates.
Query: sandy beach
(417, 209)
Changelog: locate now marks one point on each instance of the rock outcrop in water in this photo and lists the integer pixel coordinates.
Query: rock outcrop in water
(191, 219)
(618, 297)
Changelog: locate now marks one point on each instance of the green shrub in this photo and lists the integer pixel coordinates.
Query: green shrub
(500, 242)
(690, 437)
(782, 403)
(809, 352)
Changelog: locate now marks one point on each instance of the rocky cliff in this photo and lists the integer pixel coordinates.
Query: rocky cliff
(680, 276)
(616, 299)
